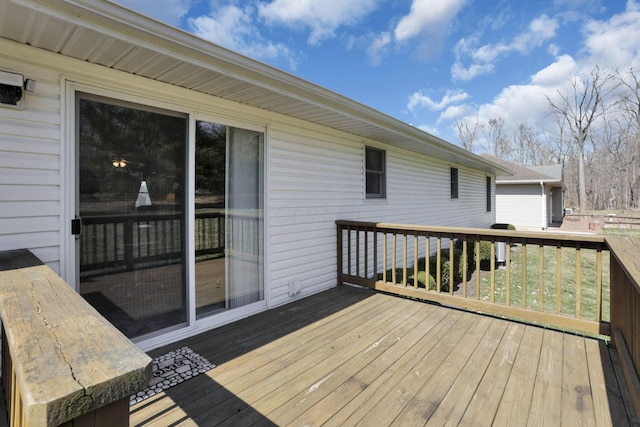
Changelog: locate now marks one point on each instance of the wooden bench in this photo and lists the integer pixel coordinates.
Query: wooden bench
(62, 363)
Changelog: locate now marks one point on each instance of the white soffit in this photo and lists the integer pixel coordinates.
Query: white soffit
(107, 34)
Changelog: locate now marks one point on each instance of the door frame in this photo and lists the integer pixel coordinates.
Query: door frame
(204, 107)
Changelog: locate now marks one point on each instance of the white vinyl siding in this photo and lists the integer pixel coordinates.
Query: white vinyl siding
(314, 176)
(521, 205)
(317, 178)
(30, 175)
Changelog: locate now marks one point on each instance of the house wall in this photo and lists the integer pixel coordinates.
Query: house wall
(315, 175)
(318, 177)
(522, 205)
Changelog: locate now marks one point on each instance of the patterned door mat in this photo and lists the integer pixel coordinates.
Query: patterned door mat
(172, 369)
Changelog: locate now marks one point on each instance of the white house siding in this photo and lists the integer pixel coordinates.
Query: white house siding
(317, 177)
(30, 176)
(522, 205)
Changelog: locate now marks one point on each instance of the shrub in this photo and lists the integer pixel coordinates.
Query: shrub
(445, 268)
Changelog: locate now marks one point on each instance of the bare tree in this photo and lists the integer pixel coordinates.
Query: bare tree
(468, 131)
(580, 106)
(497, 142)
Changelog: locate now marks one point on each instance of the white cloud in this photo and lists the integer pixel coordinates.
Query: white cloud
(615, 42)
(420, 100)
(454, 112)
(322, 17)
(459, 72)
(378, 48)
(483, 58)
(555, 74)
(433, 16)
(233, 28)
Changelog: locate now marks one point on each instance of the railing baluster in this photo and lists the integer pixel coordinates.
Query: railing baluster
(599, 284)
(393, 258)
(465, 263)
(384, 257)
(357, 251)
(492, 263)
(524, 273)
(438, 268)
(507, 277)
(349, 271)
(427, 264)
(366, 252)
(578, 282)
(415, 259)
(477, 252)
(540, 276)
(375, 255)
(558, 278)
(404, 259)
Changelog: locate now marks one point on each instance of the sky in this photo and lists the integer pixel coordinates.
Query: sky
(429, 63)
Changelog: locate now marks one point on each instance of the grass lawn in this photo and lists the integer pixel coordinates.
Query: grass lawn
(530, 292)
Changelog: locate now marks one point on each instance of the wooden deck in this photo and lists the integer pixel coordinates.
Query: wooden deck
(351, 356)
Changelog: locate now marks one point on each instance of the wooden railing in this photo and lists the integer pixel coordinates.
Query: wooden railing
(62, 363)
(547, 278)
(625, 309)
(127, 242)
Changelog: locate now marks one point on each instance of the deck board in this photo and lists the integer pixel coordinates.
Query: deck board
(350, 356)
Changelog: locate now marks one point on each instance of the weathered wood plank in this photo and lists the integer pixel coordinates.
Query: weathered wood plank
(345, 344)
(357, 406)
(546, 402)
(431, 365)
(454, 404)
(440, 366)
(577, 401)
(392, 343)
(486, 399)
(607, 404)
(516, 401)
(355, 384)
(68, 360)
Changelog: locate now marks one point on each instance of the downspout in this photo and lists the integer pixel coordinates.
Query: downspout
(543, 207)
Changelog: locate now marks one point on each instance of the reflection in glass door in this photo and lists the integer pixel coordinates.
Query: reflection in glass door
(131, 203)
(228, 217)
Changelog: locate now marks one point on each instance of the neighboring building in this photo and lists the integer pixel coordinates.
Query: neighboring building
(531, 198)
(179, 186)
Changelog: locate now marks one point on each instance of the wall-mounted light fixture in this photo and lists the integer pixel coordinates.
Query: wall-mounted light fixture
(119, 163)
(12, 88)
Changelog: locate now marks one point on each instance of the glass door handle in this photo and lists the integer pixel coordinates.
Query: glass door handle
(76, 226)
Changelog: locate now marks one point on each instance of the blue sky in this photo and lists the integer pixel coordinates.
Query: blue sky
(429, 63)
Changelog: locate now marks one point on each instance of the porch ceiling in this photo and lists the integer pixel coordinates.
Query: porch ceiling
(107, 34)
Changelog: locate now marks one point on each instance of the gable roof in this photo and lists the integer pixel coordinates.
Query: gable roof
(551, 174)
(110, 35)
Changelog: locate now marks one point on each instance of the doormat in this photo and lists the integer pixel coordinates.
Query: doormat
(172, 369)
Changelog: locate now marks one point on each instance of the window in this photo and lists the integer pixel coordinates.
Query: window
(376, 173)
(454, 183)
(488, 194)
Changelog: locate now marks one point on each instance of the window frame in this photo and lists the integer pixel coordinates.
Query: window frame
(382, 174)
(454, 179)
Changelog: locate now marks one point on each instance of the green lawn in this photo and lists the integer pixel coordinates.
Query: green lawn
(568, 294)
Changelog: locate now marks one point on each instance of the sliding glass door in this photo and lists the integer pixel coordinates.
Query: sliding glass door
(229, 217)
(133, 223)
(131, 202)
